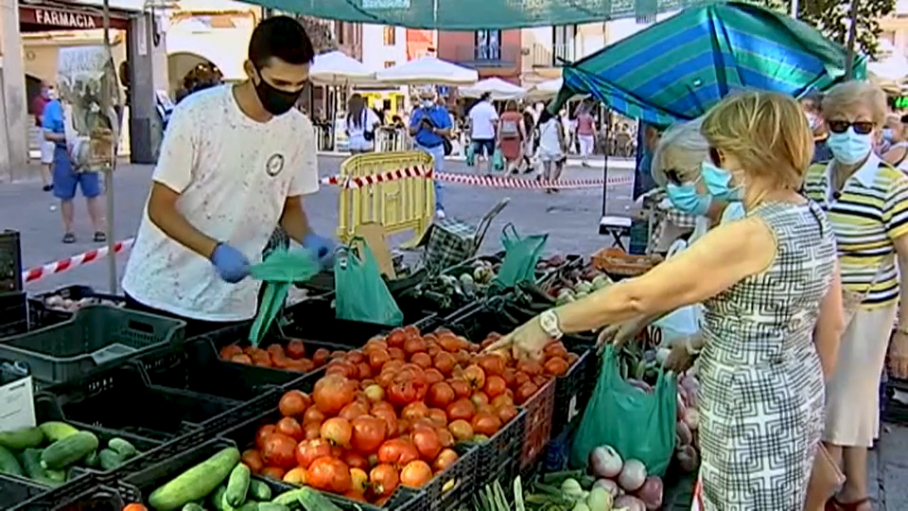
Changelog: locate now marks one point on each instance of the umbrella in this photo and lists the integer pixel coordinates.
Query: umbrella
(498, 88)
(680, 67)
(428, 70)
(545, 90)
(336, 68)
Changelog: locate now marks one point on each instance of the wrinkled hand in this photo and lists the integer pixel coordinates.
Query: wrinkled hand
(619, 334)
(680, 359)
(898, 355)
(231, 265)
(525, 343)
(322, 247)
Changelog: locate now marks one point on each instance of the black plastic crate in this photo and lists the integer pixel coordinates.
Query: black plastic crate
(498, 458)
(10, 262)
(15, 491)
(13, 314)
(315, 319)
(44, 302)
(96, 337)
(86, 493)
(404, 499)
(121, 400)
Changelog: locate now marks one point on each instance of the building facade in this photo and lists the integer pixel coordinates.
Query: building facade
(493, 53)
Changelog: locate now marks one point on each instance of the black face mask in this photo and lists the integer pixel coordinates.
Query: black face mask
(275, 100)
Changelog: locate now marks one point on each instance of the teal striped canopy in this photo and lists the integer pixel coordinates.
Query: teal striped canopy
(680, 67)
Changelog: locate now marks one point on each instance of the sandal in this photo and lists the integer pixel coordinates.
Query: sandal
(834, 504)
(69, 238)
(100, 237)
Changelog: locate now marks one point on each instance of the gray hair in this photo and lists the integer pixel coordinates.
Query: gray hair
(846, 96)
(682, 148)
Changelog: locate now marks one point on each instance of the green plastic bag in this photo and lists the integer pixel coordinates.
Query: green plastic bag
(470, 155)
(360, 291)
(498, 160)
(280, 269)
(520, 257)
(639, 425)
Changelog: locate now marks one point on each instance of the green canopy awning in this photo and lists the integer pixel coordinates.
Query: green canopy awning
(678, 68)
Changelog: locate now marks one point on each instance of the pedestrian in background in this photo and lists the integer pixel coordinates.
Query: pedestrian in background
(66, 177)
(483, 124)
(586, 134)
(511, 136)
(897, 155)
(430, 125)
(46, 147)
(552, 147)
(812, 105)
(361, 124)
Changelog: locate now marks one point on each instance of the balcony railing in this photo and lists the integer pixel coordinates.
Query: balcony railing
(554, 55)
(503, 55)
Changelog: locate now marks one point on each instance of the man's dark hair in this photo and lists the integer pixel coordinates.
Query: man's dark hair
(281, 37)
(485, 96)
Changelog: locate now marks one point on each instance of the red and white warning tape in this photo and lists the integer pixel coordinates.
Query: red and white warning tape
(468, 179)
(71, 262)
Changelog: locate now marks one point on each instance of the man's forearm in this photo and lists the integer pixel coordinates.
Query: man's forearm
(294, 220)
(54, 137)
(175, 226)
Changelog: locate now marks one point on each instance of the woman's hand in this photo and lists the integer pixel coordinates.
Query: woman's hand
(898, 355)
(526, 342)
(620, 333)
(680, 359)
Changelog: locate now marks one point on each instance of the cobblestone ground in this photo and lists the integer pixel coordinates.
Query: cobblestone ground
(570, 217)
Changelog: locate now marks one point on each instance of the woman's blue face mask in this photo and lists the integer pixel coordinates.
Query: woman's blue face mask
(718, 183)
(686, 198)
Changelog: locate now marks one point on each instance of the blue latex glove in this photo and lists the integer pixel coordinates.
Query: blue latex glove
(231, 265)
(322, 247)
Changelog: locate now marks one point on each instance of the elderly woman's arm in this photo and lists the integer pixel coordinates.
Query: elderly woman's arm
(898, 353)
(724, 256)
(830, 326)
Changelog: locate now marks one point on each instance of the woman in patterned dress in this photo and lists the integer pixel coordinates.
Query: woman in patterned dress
(766, 281)
(866, 200)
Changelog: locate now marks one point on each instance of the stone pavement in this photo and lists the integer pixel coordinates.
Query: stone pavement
(570, 217)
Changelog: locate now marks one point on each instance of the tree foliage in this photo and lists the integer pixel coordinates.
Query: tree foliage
(320, 33)
(832, 17)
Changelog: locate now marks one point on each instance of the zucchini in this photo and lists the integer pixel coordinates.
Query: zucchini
(289, 498)
(22, 438)
(195, 483)
(217, 497)
(271, 506)
(192, 506)
(123, 447)
(92, 460)
(221, 504)
(110, 459)
(312, 500)
(238, 485)
(259, 490)
(57, 476)
(56, 430)
(249, 506)
(9, 464)
(31, 463)
(69, 450)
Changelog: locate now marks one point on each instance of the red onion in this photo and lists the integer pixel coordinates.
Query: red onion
(609, 486)
(683, 434)
(629, 502)
(605, 461)
(692, 418)
(688, 458)
(651, 493)
(632, 476)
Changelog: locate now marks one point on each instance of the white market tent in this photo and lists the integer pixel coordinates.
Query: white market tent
(545, 90)
(428, 71)
(337, 69)
(498, 88)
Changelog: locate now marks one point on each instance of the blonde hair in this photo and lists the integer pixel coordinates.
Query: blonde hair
(845, 96)
(682, 148)
(766, 132)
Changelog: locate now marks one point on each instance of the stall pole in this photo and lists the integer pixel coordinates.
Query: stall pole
(109, 166)
(852, 35)
(795, 4)
(607, 124)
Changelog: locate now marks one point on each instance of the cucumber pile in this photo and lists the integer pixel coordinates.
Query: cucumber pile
(46, 453)
(223, 483)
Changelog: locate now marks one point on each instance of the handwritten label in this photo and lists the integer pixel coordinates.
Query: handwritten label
(17, 405)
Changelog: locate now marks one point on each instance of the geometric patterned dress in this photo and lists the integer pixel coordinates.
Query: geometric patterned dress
(761, 383)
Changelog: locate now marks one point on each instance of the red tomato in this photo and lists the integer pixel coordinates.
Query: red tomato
(485, 423)
(320, 357)
(556, 366)
(337, 431)
(396, 338)
(276, 473)
(556, 349)
(355, 460)
(445, 459)
(397, 353)
(414, 411)
(433, 375)
(461, 429)
(290, 427)
(506, 413)
(438, 417)
(384, 479)
(426, 442)
(332, 392)
(531, 367)
(525, 392)
(368, 434)
(398, 452)
(354, 410)
(313, 415)
(479, 398)
(377, 358)
(294, 403)
(330, 474)
(460, 409)
(253, 460)
(296, 349)
(279, 450)
(421, 359)
(389, 416)
(308, 451)
(445, 437)
(312, 430)
(415, 474)
(460, 387)
(492, 364)
(474, 376)
(495, 386)
(444, 362)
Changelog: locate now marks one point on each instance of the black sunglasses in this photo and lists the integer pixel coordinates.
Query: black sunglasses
(673, 176)
(860, 127)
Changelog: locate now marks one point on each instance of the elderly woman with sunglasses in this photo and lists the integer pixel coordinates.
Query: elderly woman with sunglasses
(866, 201)
(767, 282)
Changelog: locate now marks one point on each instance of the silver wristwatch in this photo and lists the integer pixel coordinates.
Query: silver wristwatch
(550, 324)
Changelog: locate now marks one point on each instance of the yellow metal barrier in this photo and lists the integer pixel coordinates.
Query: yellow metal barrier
(399, 205)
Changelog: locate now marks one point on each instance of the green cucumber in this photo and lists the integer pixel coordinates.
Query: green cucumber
(218, 496)
(31, 462)
(312, 500)
(192, 506)
(9, 464)
(221, 503)
(271, 506)
(56, 430)
(195, 483)
(249, 506)
(57, 476)
(92, 460)
(110, 459)
(126, 449)
(259, 490)
(22, 438)
(238, 485)
(289, 498)
(69, 450)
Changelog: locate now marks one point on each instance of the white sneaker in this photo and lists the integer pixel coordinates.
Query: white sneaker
(440, 214)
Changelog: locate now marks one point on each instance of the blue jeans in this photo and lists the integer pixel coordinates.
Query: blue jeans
(438, 154)
(66, 179)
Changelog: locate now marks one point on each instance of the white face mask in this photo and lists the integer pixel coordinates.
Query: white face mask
(428, 103)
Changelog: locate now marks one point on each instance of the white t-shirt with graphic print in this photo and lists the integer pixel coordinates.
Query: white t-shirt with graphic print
(233, 175)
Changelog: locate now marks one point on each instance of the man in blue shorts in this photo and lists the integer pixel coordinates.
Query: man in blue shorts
(66, 179)
(430, 125)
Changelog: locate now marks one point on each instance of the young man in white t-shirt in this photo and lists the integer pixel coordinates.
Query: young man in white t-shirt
(234, 165)
(483, 122)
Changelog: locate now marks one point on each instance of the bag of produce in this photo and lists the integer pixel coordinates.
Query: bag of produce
(279, 270)
(470, 156)
(361, 292)
(520, 258)
(498, 160)
(638, 423)
(683, 322)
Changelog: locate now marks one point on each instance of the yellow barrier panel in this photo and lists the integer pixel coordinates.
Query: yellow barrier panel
(399, 205)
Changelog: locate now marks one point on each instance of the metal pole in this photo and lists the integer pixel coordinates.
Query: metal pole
(852, 35)
(795, 4)
(108, 168)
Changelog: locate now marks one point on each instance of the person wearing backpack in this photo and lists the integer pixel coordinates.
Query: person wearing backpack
(511, 135)
(361, 124)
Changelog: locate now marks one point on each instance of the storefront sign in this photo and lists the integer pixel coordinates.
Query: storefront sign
(71, 19)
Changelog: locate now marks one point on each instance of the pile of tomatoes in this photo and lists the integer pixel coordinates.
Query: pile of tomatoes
(389, 414)
(291, 358)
